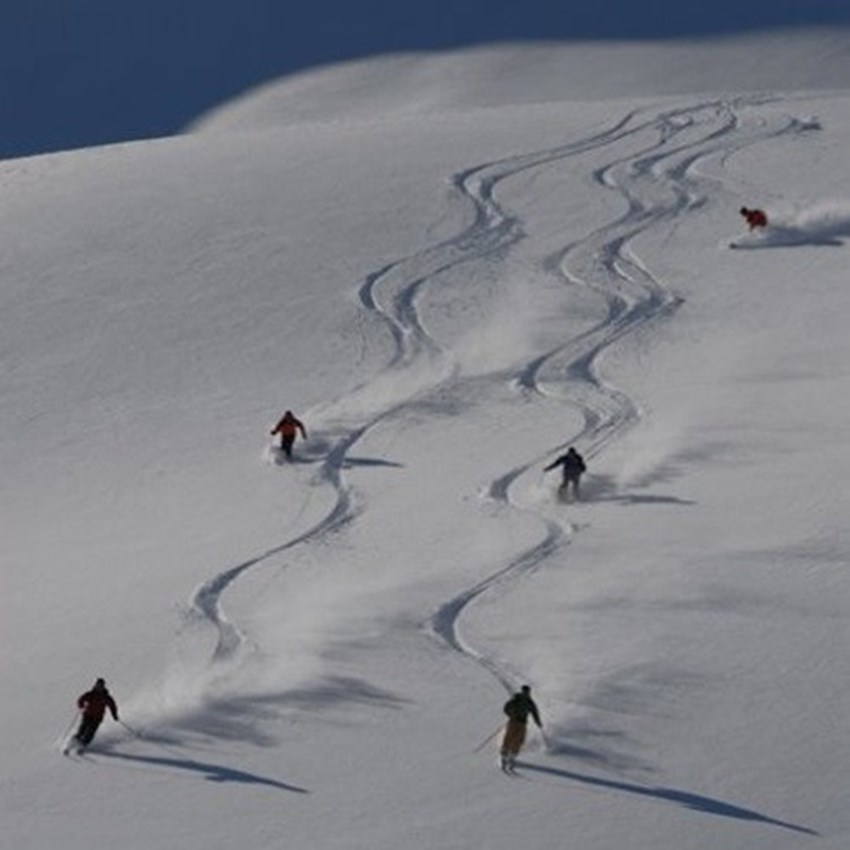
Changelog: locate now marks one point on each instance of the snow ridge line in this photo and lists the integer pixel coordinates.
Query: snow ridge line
(608, 264)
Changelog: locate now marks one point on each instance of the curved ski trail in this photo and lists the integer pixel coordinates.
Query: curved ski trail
(660, 183)
(391, 293)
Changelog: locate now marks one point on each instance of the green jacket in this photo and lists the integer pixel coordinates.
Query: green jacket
(519, 706)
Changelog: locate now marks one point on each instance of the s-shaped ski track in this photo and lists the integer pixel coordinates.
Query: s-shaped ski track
(660, 183)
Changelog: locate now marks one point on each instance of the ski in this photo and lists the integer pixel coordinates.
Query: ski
(508, 766)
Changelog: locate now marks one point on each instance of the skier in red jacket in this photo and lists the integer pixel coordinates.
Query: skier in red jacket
(93, 705)
(288, 428)
(755, 218)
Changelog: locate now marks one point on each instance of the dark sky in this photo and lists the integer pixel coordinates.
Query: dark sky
(82, 72)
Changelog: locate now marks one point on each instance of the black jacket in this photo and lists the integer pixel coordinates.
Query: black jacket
(572, 462)
(519, 706)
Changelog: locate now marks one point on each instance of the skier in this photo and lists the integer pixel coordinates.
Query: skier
(517, 708)
(93, 705)
(288, 428)
(755, 218)
(573, 467)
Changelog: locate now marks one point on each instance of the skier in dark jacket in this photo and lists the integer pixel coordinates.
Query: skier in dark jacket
(518, 708)
(573, 467)
(93, 705)
(288, 428)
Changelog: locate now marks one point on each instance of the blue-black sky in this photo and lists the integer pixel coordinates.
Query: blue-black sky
(81, 72)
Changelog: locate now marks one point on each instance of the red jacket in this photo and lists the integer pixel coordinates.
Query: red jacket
(94, 703)
(289, 426)
(755, 218)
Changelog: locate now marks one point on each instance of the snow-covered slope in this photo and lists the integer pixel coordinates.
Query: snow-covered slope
(501, 75)
(449, 282)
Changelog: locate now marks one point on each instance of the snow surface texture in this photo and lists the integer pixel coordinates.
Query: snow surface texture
(312, 654)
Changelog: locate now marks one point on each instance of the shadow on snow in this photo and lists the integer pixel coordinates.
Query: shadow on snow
(318, 449)
(210, 771)
(240, 718)
(604, 488)
(695, 802)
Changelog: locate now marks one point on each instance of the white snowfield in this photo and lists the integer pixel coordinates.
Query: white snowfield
(450, 280)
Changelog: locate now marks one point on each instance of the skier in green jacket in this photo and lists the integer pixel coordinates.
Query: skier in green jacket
(518, 708)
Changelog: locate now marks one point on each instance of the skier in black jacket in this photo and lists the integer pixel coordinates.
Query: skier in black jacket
(93, 705)
(573, 467)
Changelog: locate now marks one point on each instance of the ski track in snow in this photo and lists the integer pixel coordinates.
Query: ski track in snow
(660, 183)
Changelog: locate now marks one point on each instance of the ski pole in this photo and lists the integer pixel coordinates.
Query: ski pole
(488, 738)
(69, 727)
(132, 731)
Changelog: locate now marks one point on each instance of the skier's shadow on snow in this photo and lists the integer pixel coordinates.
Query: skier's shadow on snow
(350, 462)
(792, 237)
(603, 488)
(319, 448)
(304, 459)
(696, 802)
(211, 772)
